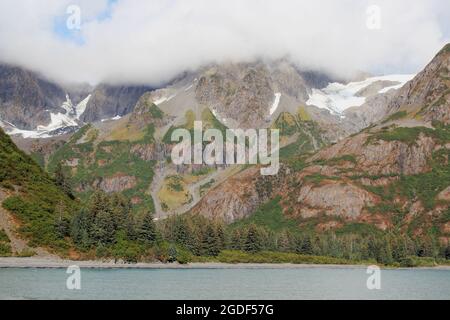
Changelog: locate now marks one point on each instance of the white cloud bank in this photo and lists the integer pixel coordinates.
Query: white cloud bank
(152, 41)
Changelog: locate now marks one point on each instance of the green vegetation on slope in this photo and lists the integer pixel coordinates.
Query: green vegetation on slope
(396, 116)
(308, 137)
(426, 186)
(269, 215)
(440, 133)
(102, 160)
(42, 208)
(5, 247)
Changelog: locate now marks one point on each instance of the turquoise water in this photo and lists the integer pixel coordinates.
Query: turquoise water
(204, 284)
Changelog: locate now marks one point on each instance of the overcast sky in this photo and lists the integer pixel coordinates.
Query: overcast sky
(151, 41)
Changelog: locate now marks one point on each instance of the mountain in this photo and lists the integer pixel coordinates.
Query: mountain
(364, 164)
(109, 101)
(25, 97)
(232, 95)
(36, 108)
(427, 97)
(239, 94)
(393, 176)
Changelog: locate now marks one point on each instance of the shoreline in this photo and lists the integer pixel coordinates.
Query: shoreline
(49, 263)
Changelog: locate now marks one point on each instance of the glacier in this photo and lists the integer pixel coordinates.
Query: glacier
(58, 121)
(338, 97)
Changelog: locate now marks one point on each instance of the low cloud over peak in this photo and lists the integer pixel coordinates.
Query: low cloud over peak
(153, 41)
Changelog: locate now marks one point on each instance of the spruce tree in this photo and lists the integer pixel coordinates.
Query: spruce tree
(253, 240)
(121, 210)
(103, 229)
(236, 240)
(181, 232)
(147, 232)
(284, 241)
(210, 242)
(220, 236)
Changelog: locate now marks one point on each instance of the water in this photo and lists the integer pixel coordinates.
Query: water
(205, 284)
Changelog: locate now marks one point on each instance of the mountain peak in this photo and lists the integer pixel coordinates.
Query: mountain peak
(427, 96)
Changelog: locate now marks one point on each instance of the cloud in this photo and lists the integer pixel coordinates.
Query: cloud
(153, 41)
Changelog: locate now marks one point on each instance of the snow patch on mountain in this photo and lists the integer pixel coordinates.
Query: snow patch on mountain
(81, 107)
(276, 103)
(338, 97)
(112, 119)
(59, 122)
(164, 99)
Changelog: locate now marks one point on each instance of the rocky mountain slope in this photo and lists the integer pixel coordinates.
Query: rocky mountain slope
(108, 101)
(25, 97)
(428, 95)
(36, 108)
(241, 95)
(394, 175)
(126, 146)
(360, 157)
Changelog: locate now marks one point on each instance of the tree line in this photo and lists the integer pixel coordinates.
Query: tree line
(108, 226)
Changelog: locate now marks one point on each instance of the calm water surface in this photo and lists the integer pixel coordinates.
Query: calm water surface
(204, 284)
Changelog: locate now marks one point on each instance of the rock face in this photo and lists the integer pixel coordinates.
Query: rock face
(248, 94)
(374, 110)
(117, 183)
(234, 199)
(237, 92)
(109, 101)
(146, 152)
(239, 196)
(382, 157)
(429, 92)
(146, 112)
(25, 97)
(333, 198)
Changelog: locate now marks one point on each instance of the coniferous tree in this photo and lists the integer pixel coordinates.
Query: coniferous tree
(236, 240)
(210, 242)
(131, 229)
(147, 232)
(284, 241)
(80, 229)
(62, 224)
(221, 241)
(121, 211)
(182, 232)
(253, 240)
(103, 230)
(173, 254)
